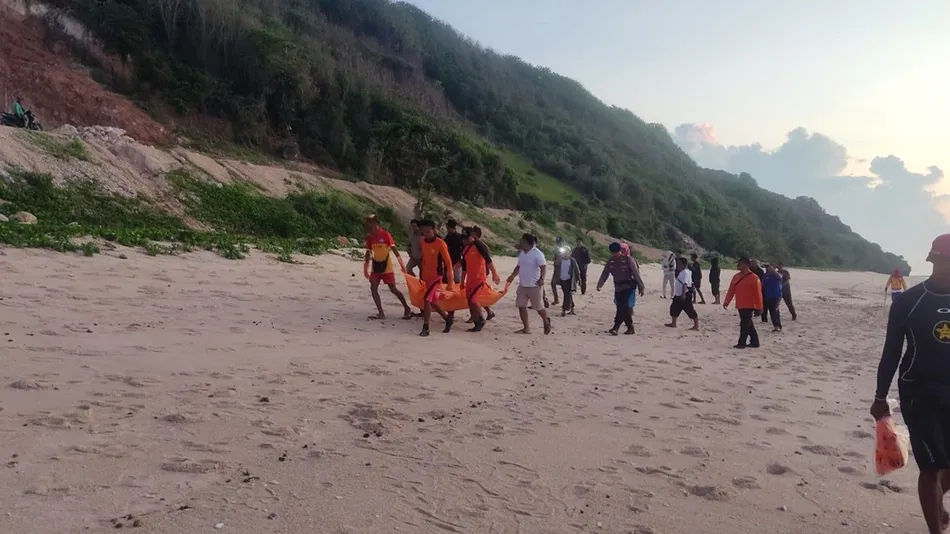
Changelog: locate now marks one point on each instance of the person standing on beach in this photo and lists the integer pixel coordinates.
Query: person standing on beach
(715, 276)
(568, 274)
(668, 263)
(414, 247)
(627, 283)
(696, 269)
(476, 265)
(756, 268)
(921, 319)
(530, 272)
(379, 249)
(582, 256)
(787, 290)
(455, 242)
(683, 296)
(772, 296)
(896, 285)
(559, 246)
(435, 269)
(746, 288)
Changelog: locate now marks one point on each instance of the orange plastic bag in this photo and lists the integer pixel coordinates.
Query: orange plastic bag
(892, 446)
(454, 300)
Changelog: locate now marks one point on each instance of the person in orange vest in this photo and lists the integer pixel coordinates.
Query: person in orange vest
(746, 288)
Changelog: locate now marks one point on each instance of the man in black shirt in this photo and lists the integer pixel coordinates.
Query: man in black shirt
(787, 290)
(582, 256)
(456, 244)
(697, 273)
(922, 316)
(759, 271)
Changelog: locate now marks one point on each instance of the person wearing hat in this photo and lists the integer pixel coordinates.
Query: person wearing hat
(380, 247)
(627, 283)
(920, 321)
(746, 288)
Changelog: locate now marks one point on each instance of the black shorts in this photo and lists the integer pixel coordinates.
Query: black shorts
(715, 286)
(697, 284)
(928, 420)
(680, 305)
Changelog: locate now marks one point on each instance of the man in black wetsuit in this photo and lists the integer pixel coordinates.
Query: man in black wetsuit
(922, 316)
(456, 243)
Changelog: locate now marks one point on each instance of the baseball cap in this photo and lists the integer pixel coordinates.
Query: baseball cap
(940, 247)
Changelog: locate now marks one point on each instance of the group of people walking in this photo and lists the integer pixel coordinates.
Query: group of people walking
(461, 257)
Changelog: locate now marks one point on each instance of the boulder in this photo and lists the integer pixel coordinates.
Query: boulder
(23, 217)
(342, 241)
(3, 218)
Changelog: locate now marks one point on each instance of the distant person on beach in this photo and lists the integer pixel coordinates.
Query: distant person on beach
(683, 296)
(921, 318)
(476, 265)
(378, 266)
(627, 284)
(582, 256)
(715, 276)
(772, 296)
(414, 247)
(455, 242)
(435, 269)
(559, 246)
(668, 263)
(759, 271)
(19, 113)
(895, 284)
(696, 269)
(530, 272)
(746, 288)
(568, 275)
(787, 290)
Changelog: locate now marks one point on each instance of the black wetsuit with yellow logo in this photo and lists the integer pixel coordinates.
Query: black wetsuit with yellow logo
(921, 316)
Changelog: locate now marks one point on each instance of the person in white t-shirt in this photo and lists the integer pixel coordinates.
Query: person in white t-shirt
(668, 263)
(530, 272)
(567, 274)
(683, 295)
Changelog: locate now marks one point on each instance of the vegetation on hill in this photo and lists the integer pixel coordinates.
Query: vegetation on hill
(381, 90)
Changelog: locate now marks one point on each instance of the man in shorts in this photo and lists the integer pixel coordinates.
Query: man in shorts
(530, 272)
(683, 296)
(379, 249)
(921, 317)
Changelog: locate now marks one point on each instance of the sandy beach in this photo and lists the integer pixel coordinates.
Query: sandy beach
(197, 394)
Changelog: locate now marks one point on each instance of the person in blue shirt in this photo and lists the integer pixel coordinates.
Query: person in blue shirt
(772, 295)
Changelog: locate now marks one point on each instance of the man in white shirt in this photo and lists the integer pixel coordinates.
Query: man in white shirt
(683, 295)
(668, 263)
(530, 272)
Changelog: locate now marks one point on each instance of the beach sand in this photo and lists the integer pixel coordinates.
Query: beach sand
(197, 394)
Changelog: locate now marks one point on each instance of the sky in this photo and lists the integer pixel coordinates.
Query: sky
(846, 101)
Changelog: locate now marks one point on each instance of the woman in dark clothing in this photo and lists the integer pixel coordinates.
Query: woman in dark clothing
(760, 272)
(772, 296)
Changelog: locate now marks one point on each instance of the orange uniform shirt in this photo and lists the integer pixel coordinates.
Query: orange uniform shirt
(477, 259)
(435, 260)
(746, 288)
(380, 244)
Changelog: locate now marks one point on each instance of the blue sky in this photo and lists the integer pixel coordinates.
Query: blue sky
(866, 79)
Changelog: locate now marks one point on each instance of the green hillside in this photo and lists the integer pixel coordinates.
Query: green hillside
(385, 93)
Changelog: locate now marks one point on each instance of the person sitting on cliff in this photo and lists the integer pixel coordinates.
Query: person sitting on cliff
(19, 113)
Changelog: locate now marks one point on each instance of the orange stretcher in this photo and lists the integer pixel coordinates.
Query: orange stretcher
(455, 299)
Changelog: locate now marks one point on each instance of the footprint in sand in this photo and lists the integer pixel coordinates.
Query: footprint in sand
(747, 483)
(712, 493)
(821, 450)
(695, 452)
(777, 469)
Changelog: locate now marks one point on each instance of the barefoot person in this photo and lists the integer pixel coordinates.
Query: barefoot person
(746, 288)
(715, 276)
(530, 272)
(921, 317)
(435, 269)
(696, 268)
(567, 274)
(379, 249)
(627, 283)
(582, 256)
(668, 262)
(895, 284)
(476, 264)
(683, 296)
(787, 290)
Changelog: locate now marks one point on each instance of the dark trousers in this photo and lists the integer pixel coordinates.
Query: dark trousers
(682, 304)
(765, 310)
(747, 334)
(583, 268)
(771, 308)
(623, 309)
(566, 287)
(787, 297)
